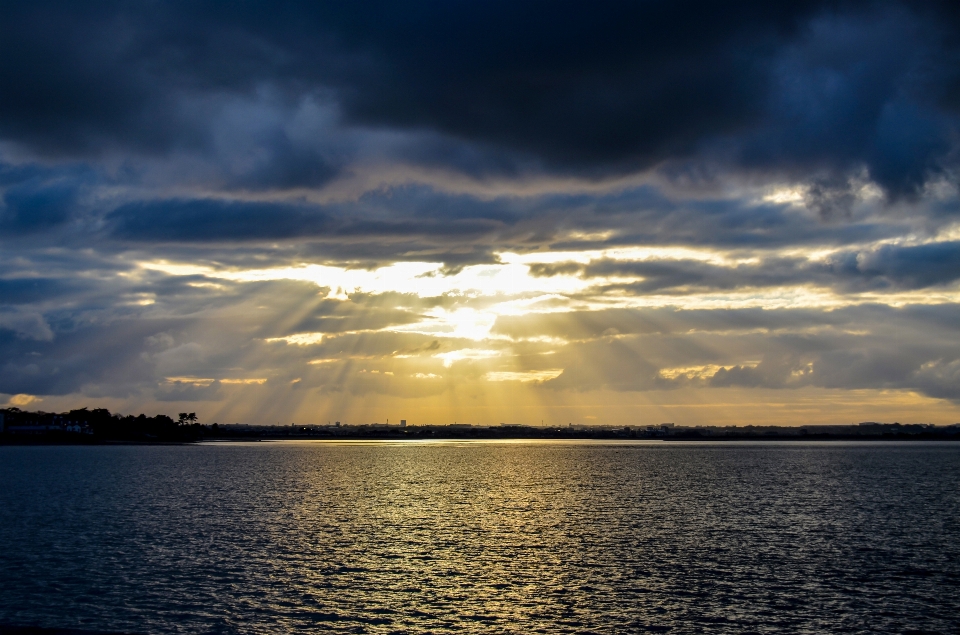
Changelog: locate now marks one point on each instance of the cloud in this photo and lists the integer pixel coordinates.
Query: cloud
(907, 267)
(184, 391)
(939, 378)
(31, 290)
(32, 207)
(887, 267)
(26, 325)
(615, 198)
(367, 349)
(866, 347)
(859, 89)
(213, 220)
(419, 223)
(802, 86)
(22, 401)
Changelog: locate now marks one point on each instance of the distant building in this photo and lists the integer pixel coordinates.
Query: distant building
(403, 423)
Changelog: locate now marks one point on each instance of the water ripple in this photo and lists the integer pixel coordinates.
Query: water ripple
(492, 538)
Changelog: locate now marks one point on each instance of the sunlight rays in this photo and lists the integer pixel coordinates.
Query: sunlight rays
(482, 337)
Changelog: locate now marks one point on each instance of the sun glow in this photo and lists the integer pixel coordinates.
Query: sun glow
(783, 195)
(465, 353)
(462, 323)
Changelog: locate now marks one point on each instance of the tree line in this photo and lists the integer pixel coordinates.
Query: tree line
(100, 424)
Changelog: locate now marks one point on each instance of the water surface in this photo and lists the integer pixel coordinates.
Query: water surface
(533, 536)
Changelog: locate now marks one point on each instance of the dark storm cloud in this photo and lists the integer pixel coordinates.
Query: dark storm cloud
(65, 364)
(213, 220)
(902, 267)
(643, 216)
(34, 290)
(805, 86)
(30, 209)
(288, 167)
(37, 199)
(396, 215)
(420, 223)
(862, 89)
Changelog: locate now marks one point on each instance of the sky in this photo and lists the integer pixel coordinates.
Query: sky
(623, 213)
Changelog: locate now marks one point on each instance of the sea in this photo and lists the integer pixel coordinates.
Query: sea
(482, 537)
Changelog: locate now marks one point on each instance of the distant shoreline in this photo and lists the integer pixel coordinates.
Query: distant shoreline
(439, 433)
(100, 427)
